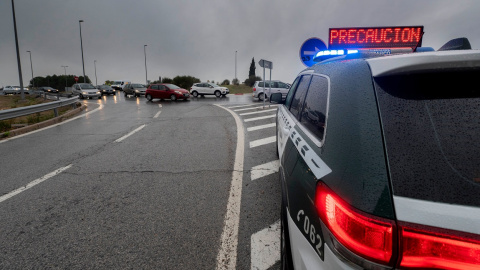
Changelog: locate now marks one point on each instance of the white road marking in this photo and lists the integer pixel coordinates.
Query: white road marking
(263, 141)
(58, 124)
(259, 118)
(253, 108)
(33, 183)
(240, 106)
(156, 115)
(264, 169)
(130, 134)
(227, 255)
(261, 127)
(249, 113)
(160, 105)
(265, 247)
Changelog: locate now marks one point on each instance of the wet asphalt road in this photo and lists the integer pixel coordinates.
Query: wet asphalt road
(153, 200)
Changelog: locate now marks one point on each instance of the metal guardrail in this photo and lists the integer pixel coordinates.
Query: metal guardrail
(22, 111)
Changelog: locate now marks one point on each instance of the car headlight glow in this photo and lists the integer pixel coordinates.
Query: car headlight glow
(85, 93)
(178, 92)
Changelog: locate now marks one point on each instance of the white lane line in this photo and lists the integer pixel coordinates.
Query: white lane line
(263, 141)
(58, 124)
(240, 106)
(259, 118)
(264, 169)
(263, 111)
(261, 127)
(253, 108)
(160, 105)
(227, 255)
(130, 134)
(265, 247)
(156, 115)
(33, 183)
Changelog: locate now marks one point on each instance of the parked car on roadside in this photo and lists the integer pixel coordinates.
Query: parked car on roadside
(166, 91)
(261, 92)
(206, 88)
(48, 89)
(135, 89)
(106, 89)
(11, 89)
(85, 90)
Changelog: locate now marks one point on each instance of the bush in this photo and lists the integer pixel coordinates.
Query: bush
(226, 82)
(251, 80)
(167, 80)
(235, 81)
(185, 82)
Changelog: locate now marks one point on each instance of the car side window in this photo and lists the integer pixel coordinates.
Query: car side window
(155, 87)
(288, 99)
(299, 96)
(314, 113)
(275, 85)
(162, 87)
(282, 85)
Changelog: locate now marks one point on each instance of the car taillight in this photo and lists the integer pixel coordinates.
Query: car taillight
(375, 239)
(254, 89)
(423, 248)
(365, 235)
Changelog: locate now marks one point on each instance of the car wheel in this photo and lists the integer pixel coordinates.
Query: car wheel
(125, 93)
(149, 97)
(218, 94)
(260, 96)
(80, 96)
(285, 251)
(195, 94)
(173, 97)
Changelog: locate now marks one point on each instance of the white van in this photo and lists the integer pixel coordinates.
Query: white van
(119, 85)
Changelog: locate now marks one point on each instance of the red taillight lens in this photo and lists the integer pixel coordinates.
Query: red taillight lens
(254, 89)
(425, 249)
(365, 235)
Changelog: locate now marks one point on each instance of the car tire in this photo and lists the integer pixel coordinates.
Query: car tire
(173, 97)
(195, 94)
(218, 94)
(80, 96)
(149, 97)
(261, 96)
(125, 93)
(286, 261)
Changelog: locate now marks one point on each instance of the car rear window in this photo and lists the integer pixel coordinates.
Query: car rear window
(431, 123)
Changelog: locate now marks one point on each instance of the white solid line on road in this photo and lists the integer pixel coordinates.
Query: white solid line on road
(130, 134)
(253, 108)
(240, 106)
(259, 118)
(156, 115)
(227, 255)
(258, 112)
(33, 183)
(263, 141)
(265, 247)
(261, 127)
(61, 123)
(264, 169)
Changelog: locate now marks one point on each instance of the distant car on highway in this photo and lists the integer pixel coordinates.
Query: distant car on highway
(135, 89)
(206, 88)
(106, 89)
(48, 89)
(11, 89)
(166, 91)
(85, 90)
(119, 85)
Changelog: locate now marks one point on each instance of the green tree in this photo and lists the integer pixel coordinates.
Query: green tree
(108, 82)
(235, 81)
(251, 80)
(226, 82)
(185, 82)
(251, 72)
(57, 82)
(167, 80)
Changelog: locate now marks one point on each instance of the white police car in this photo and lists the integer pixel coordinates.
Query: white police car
(380, 162)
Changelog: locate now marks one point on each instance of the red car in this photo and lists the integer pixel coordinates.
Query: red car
(166, 91)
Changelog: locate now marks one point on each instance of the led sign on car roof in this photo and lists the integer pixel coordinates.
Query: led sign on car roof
(375, 37)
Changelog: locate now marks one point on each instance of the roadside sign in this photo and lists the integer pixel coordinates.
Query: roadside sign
(265, 64)
(76, 78)
(309, 49)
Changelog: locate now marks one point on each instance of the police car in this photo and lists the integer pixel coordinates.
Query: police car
(380, 162)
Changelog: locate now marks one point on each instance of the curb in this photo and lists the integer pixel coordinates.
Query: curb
(53, 121)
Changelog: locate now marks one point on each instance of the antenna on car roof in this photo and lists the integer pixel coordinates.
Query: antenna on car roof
(456, 44)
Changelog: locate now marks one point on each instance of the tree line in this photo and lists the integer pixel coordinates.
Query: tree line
(57, 82)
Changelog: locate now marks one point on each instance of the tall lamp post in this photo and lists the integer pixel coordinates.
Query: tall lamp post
(95, 65)
(18, 53)
(31, 66)
(65, 67)
(235, 64)
(145, 53)
(81, 45)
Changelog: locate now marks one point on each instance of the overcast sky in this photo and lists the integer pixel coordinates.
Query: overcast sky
(199, 38)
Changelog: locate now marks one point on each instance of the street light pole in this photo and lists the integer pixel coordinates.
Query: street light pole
(235, 64)
(81, 45)
(18, 53)
(95, 64)
(145, 53)
(31, 66)
(65, 67)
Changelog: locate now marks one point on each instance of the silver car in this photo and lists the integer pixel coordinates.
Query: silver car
(86, 90)
(270, 88)
(11, 89)
(135, 89)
